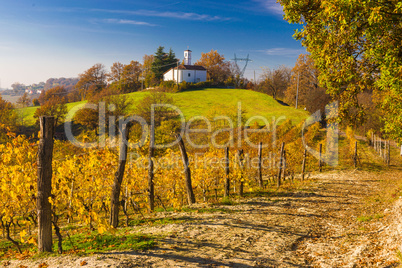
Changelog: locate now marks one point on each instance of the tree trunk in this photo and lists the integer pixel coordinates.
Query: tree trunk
(304, 163)
(187, 171)
(44, 210)
(58, 234)
(118, 179)
(280, 165)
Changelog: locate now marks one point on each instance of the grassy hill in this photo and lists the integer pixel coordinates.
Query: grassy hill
(28, 113)
(200, 102)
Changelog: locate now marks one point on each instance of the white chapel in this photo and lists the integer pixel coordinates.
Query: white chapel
(187, 72)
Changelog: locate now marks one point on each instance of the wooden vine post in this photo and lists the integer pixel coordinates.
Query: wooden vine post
(284, 164)
(241, 166)
(380, 147)
(372, 139)
(320, 159)
(187, 171)
(151, 186)
(355, 156)
(280, 164)
(44, 160)
(389, 153)
(375, 143)
(227, 180)
(304, 163)
(118, 179)
(259, 165)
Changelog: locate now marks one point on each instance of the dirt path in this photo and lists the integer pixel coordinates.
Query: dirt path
(316, 227)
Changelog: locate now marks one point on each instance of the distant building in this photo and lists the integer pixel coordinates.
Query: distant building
(187, 72)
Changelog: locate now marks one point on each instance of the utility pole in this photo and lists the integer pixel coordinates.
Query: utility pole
(241, 72)
(297, 90)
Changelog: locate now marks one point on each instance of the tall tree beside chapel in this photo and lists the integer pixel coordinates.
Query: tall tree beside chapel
(162, 62)
(218, 69)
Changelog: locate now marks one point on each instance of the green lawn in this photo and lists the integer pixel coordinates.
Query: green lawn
(201, 102)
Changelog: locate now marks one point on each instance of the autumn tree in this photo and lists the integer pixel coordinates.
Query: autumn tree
(67, 83)
(148, 75)
(116, 72)
(8, 119)
(18, 87)
(303, 82)
(356, 46)
(274, 82)
(53, 103)
(162, 62)
(161, 113)
(317, 100)
(35, 102)
(87, 119)
(92, 81)
(131, 77)
(125, 78)
(114, 104)
(218, 70)
(24, 100)
(372, 115)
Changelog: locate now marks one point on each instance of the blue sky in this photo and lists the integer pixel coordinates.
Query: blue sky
(40, 39)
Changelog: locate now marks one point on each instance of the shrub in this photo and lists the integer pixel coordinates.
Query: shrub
(168, 86)
(35, 102)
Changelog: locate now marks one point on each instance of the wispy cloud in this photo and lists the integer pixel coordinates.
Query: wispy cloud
(271, 5)
(281, 51)
(167, 14)
(130, 22)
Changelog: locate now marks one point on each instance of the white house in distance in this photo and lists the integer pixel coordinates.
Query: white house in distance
(187, 72)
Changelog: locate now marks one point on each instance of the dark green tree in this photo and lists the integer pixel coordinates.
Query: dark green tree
(163, 62)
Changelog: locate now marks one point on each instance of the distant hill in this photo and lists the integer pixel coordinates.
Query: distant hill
(67, 83)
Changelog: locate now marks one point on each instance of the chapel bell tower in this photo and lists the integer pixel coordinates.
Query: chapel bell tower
(187, 57)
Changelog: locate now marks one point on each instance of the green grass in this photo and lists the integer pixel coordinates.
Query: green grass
(191, 210)
(157, 221)
(200, 102)
(84, 243)
(208, 210)
(399, 255)
(28, 113)
(90, 243)
(370, 217)
(226, 201)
